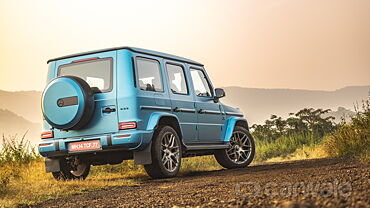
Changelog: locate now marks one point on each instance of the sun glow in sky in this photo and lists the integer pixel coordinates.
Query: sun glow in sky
(249, 43)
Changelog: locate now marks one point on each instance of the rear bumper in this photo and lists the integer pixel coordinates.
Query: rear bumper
(123, 140)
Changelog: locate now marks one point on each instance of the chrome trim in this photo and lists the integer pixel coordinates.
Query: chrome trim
(147, 107)
(234, 114)
(184, 110)
(211, 112)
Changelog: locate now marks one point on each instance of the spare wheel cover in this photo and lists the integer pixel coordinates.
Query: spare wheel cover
(67, 103)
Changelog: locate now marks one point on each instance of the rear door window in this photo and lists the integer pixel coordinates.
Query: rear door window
(97, 73)
(176, 79)
(149, 75)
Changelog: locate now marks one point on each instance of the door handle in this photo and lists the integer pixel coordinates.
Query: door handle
(201, 111)
(109, 110)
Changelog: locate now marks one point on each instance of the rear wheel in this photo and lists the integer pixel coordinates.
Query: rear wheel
(241, 151)
(71, 169)
(166, 154)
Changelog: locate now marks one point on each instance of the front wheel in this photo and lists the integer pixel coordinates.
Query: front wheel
(241, 151)
(72, 169)
(166, 154)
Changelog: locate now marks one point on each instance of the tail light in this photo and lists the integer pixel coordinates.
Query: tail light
(47, 135)
(127, 125)
(45, 144)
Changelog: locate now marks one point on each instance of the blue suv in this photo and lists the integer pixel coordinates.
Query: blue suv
(106, 106)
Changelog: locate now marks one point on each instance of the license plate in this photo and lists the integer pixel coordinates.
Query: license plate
(83, 146)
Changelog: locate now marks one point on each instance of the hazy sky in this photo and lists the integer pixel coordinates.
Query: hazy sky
(305, 44)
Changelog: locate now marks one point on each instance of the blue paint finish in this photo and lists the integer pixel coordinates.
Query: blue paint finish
(230, 124)
(136, 140)
(66, 116)
(209, 124)
(131, 104)
(155, 117)
(184, 102)
(100, 123)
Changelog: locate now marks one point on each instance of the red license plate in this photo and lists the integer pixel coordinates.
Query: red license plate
(83, 146)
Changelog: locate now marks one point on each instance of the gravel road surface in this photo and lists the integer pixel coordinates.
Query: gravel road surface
(304, 183)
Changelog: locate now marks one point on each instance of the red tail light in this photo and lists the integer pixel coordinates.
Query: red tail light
(81, 60)
(122, 136)
(127, 125)
(45, 144)
(47, 135)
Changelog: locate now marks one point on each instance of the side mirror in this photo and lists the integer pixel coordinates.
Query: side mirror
(219, 94)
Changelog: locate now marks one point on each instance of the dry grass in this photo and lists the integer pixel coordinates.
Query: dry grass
(303, 153)
(352, 139)
(29, 183)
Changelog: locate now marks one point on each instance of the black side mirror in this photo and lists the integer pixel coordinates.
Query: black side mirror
(219, 94)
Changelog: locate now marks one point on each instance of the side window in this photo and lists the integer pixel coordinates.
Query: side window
(149, 75)
(201, 85)
(176, 79)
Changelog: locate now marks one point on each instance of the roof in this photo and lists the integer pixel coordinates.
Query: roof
(137, 50)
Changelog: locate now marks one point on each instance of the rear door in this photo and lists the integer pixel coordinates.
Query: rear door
(182, 100)
(99, 71)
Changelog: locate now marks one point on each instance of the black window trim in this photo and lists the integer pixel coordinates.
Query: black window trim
(183, 71)
(90, 61)
(206, 77)
(160, 72)
(133, 65)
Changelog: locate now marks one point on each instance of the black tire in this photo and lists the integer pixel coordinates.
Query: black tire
(227, 159)
(67, 173)
(162, 156)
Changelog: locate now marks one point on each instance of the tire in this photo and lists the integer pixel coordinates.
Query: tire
(241, 151)
(166, 154)
(66, 172)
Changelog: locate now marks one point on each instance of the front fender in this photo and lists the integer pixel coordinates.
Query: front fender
(230, 124)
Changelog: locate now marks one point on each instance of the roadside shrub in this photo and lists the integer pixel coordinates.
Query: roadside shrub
(17, 150)
(4, 180)
(352, 139)
(14, 153)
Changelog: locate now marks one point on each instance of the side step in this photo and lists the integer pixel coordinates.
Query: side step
(190, 147)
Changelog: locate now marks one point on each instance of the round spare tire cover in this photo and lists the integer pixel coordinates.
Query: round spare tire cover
(68, 103)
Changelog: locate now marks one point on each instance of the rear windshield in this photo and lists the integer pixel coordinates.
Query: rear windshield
(97, 73)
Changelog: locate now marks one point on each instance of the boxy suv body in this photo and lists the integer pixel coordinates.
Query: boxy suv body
(106, 106)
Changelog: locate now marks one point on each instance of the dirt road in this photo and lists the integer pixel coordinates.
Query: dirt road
(306, 183)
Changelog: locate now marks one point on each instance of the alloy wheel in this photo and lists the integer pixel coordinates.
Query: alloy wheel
(240, 147)
(170, 152)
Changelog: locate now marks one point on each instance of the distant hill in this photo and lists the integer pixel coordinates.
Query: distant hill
(259, 104)
(11, 124)
(24, 103)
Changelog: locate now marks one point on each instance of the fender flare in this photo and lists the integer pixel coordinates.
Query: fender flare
(156, 116)
(230, 124)
(144, 157)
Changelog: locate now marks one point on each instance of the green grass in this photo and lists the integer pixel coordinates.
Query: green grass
(352, 139)
(283, 146)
